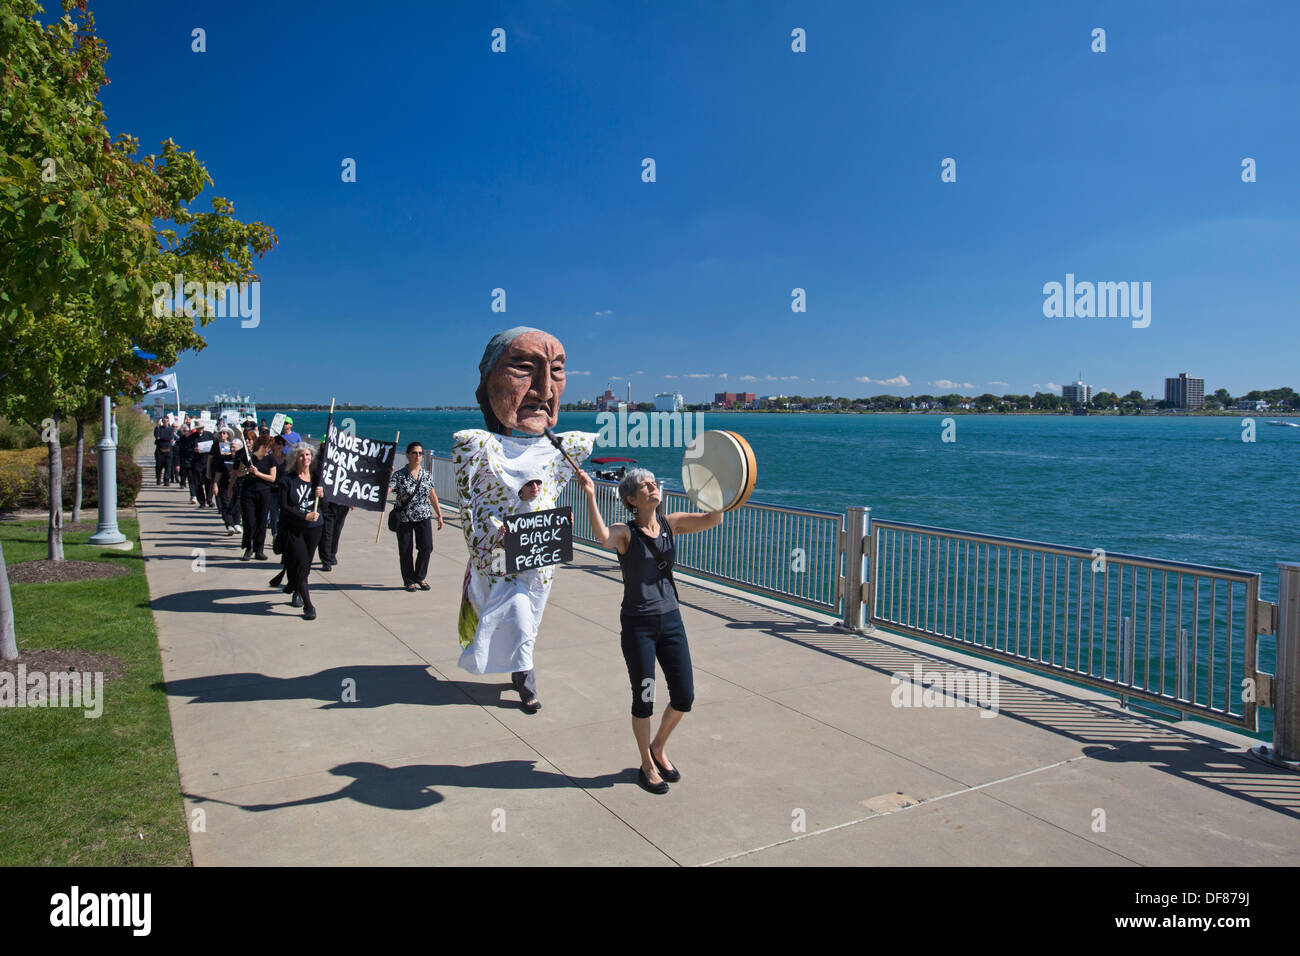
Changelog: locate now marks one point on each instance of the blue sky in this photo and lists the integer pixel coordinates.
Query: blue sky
(775, 170)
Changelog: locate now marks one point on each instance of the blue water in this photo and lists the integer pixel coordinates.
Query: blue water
(1186, 489)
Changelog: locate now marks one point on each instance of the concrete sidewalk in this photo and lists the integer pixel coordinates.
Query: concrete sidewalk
(793, 755)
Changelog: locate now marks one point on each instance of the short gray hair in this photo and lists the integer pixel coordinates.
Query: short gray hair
(631, 481)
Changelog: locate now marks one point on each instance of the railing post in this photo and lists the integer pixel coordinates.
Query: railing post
(855, 530)
(1286, 680)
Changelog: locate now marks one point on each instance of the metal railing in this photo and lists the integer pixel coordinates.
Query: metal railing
(1180, 636)
(1170, 633)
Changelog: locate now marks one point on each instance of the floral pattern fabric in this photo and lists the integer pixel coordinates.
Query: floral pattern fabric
(501, 613)
(412, 501)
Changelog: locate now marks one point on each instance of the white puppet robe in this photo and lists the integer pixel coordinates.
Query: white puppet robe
(501, 613)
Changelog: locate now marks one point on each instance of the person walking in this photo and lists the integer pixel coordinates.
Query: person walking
(509, 467)
(185, 452)
(415, 504)
(201, 466)
(300, 526)
(650, 619)
(255, 498)
(164, 438)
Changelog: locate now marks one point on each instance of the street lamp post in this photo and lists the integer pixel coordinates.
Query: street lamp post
(107, 533)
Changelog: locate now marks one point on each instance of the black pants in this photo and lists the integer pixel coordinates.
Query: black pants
(526, 683)
(332, 515)
(183, 469)
(422, 533)
(199, 480)
(162, 466)
(645, 637)
(227, 506)
(255, 507)
(300, 542)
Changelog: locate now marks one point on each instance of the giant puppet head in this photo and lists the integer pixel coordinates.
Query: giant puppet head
(521, 379)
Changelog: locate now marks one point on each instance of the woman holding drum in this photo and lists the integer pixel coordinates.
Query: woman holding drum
(718, 472)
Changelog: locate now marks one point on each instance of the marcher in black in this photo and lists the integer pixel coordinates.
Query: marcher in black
(164, 440)
(223, 478)
(300, 526)
(185, 455)
(255, 496)
(415, 504)
(201, 467)
(333, 515)
(650, 618)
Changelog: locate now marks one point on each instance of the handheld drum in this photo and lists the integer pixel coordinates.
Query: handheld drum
(719, 471)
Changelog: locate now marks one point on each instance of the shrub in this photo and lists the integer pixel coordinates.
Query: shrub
(129, 479)
(18, 478)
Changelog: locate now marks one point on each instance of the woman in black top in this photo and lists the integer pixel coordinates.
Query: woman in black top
(300, 526)
(650, 619)
(255, 500)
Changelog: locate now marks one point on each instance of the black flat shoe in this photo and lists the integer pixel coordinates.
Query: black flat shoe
(277, 580)
(247, 556)
(327, 567)
(259, 557)
(296, 602)
(424, 586)
(661, 787)
(530, 706)
(672, 776)
(309, 614)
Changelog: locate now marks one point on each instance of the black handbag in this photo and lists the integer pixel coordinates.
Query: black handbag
(392, 519)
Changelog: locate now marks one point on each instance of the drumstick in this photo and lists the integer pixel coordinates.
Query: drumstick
(555, 440)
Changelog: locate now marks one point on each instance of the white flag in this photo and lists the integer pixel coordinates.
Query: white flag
(166, 383)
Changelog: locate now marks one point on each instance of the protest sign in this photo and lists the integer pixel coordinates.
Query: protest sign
(538, 538)
(355, 470)
(277, 424)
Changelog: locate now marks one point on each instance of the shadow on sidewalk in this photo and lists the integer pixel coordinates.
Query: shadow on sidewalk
(373, 685)
(413, 787)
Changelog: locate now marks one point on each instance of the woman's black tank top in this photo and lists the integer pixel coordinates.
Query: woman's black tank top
(646, 589)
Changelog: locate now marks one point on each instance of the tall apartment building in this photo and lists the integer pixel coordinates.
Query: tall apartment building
(1077, 393)
(1184, 392)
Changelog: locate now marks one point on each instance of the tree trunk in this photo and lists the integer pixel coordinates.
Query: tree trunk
(8, 643)
(56, 493)
(81, 458)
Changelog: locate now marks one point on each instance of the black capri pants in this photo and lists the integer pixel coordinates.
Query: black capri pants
(662, 636)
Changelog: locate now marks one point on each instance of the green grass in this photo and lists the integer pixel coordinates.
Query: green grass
(78, 791)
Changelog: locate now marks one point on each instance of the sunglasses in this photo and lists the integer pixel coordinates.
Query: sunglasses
(535, 481)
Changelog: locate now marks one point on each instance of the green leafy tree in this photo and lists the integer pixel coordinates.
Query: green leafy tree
(83, 253)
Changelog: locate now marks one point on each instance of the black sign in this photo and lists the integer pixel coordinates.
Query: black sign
(538, 538)
(355, 471)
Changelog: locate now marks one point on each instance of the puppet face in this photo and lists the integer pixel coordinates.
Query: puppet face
(525, 386)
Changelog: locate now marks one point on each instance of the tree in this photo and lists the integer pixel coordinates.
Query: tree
(1105, 400)
(1223, 396)
(83, 253)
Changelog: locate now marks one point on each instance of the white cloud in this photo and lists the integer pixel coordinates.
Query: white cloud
(723, 375)
(896, 380)
(749, 378)
(1054, 387)
(574, 371)
(616, 378)
(638, 372)
(947, 383)
(1003, 384)
(789, 378)
(604, 312)
(670, 376)
(698, 375)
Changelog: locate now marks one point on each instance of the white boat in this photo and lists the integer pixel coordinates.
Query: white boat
(1283, 424)
(233, 409)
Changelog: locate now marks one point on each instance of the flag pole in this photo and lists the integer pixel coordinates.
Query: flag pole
(381, 510)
